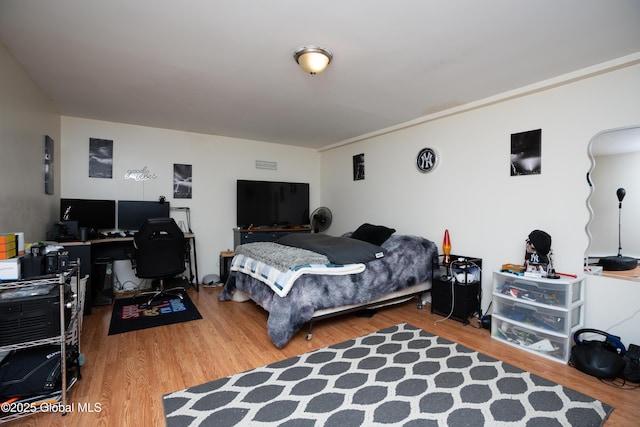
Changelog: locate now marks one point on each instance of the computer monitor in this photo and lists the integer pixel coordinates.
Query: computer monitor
(133, 213)
(89, 213)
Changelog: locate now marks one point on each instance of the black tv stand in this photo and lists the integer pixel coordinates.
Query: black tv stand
(264, 234)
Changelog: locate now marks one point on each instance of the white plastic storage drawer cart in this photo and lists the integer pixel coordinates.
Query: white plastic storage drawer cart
(538, 315)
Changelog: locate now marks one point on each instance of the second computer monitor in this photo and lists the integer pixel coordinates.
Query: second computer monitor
(133, 213)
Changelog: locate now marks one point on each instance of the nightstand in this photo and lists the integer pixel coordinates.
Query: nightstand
(457, 289)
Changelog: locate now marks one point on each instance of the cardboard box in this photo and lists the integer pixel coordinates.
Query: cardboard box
(10, 269)
(6, 246)
(10, 253)
(7, 238)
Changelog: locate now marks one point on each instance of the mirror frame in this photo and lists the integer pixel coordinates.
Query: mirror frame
(587, 257)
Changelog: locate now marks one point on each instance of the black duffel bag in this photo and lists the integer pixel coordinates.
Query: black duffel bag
(599, 358)
(32, 371)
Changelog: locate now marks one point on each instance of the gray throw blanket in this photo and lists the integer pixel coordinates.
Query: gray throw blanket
(280, 256)
(408, 262)
(339, 250)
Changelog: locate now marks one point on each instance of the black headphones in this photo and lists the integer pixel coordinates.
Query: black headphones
(612, 342)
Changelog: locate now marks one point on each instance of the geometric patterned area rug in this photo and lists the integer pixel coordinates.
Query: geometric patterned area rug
(132, 314)
(399, 376)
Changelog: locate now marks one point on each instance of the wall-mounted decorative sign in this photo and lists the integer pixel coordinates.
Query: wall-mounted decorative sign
(358, 167)
(100, 158)
(143, 174)
(427, 160)
(48, 165)
(263, 164)
(526, 153)
(182, 181)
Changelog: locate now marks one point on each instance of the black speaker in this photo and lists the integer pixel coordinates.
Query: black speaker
(31, 265)
(51, 263)
(485, 321)
(84, 234)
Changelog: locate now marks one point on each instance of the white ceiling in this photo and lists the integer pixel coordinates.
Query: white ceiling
(225, 67)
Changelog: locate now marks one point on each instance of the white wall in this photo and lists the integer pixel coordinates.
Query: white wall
(26, 116)
(488, 213)
(217, 163)
(610, 173)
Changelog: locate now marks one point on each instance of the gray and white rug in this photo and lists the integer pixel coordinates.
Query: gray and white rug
(399, 376)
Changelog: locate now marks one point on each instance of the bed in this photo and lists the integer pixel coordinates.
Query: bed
(395, 270)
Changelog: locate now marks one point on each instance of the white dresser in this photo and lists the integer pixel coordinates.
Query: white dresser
(538, 315)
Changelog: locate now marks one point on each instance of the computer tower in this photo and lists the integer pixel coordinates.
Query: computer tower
(30, 318)
(102, 282)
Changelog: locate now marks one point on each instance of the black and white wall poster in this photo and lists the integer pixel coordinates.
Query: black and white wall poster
(182, 179)
(48, 165)
(100, 158)
(358, 167)
(526, 153)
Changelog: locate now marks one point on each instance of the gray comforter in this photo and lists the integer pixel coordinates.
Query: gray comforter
(408, 261)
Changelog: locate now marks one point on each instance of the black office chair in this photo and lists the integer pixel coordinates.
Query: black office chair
(160, 251)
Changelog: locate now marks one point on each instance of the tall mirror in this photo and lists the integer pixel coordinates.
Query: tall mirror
(614, 203)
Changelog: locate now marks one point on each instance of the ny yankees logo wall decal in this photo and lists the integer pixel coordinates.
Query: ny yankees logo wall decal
(427, 160)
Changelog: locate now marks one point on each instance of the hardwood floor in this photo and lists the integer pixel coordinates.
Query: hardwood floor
(125, 375)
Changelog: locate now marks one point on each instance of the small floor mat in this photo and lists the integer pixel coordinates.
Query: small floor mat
(131, 314)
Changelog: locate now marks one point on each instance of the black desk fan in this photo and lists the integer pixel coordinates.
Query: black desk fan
(619, 262)
(321, 219)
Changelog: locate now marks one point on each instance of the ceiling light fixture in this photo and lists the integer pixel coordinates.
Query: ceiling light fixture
(313, 59)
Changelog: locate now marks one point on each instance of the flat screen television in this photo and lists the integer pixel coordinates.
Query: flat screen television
(133, 213)
(272, 204)
(90, 213)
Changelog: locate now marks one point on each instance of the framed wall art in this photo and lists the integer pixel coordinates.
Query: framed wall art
(358, 167)
(182, 181)
(526, 153)
(100, 158)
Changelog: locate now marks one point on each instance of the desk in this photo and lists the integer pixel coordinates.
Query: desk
(93, 252)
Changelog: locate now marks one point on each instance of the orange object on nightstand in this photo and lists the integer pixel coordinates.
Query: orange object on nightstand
(446, 247)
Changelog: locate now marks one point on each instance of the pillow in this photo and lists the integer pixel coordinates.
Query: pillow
(374, 234)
